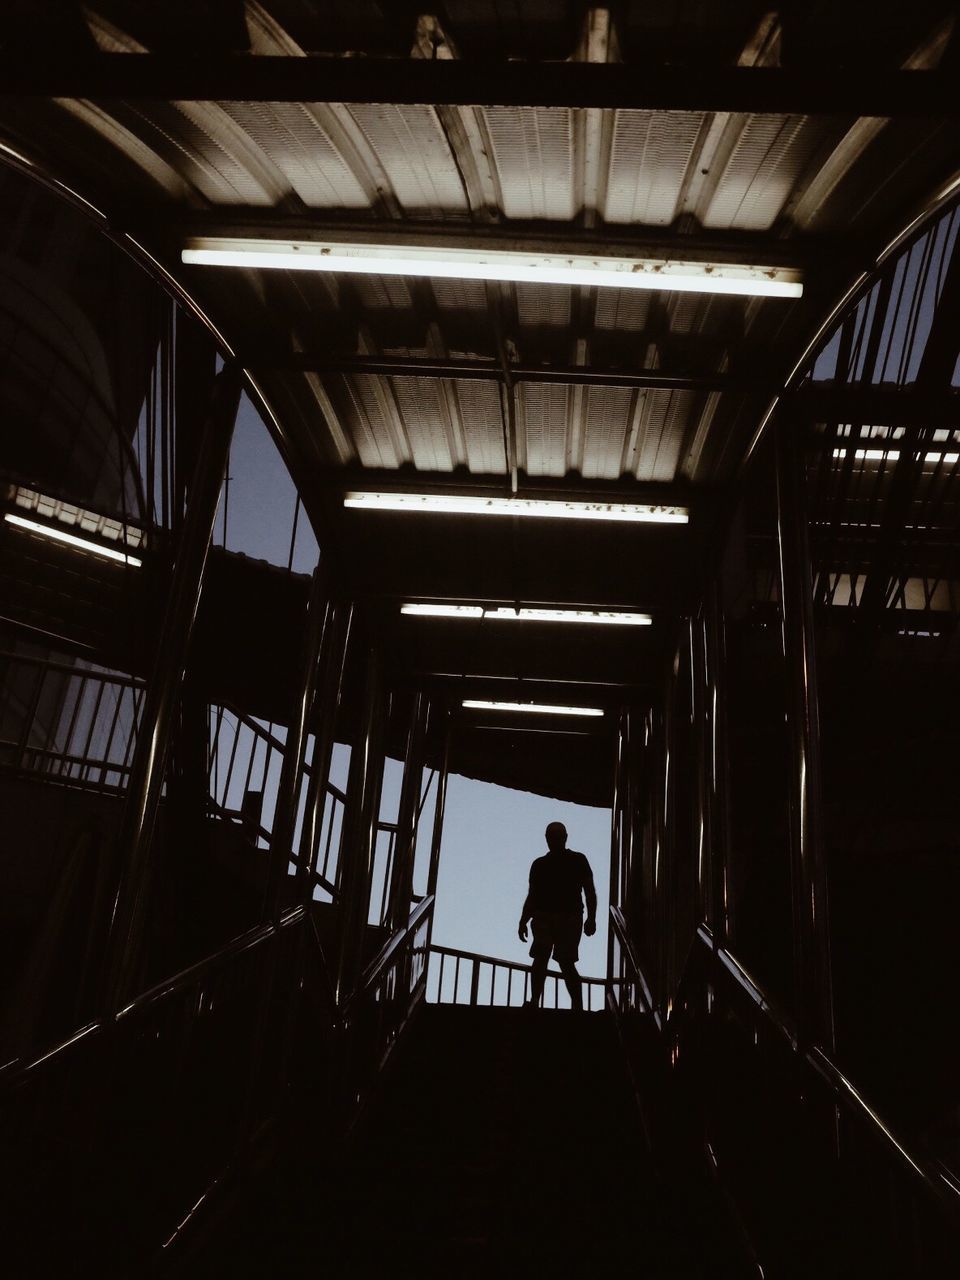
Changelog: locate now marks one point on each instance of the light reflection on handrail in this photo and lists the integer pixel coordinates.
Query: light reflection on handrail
(626, 943)
(382, 959)
(16, 1071)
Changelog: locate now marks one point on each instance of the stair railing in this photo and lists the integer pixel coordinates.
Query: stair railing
(75, 726)
(146, 1109)
(375, 1016)
(468, 978)
(853, 1181)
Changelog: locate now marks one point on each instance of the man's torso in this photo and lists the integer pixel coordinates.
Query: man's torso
(557, 881)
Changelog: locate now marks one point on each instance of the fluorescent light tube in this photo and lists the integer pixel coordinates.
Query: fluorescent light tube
(495, 264)
(71, 539)
(594, 616)
(443, 610)
(536, 708)
(452, 504)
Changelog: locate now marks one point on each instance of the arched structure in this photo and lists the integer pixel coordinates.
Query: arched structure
(613, 357)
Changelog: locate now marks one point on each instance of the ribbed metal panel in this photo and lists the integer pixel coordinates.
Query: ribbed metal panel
(459, 295)
(659, 436)
(624, 309)
(606, 417)
(294, 139)
(480, 413)
(382, 292)
(543, 304)
(533, 151)
(542, 418)
(770, 156)
(368, 417)
(427, 423)
(413, 150)
(223, 170)
(648, 161)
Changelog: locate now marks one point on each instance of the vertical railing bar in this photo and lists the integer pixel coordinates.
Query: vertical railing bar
(113, 729)
(134, 728)
(84, 754)
(251, 762)
(456, 981)
(49, 740)
(29, 718)
(233, 756)
(330, 826)
(65, 749)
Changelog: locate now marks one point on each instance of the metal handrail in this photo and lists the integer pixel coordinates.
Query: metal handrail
(382, 960)
(15, 1072)
(619, 924)
(937, 1179)
(496, 962)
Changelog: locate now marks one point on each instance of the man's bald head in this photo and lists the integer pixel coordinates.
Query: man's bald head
(556, 834)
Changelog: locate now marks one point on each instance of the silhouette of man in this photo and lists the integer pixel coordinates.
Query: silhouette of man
(559, 881)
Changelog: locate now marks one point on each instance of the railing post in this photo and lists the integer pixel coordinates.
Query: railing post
(401, 887)
(616, 826)
(288, 787)
(360, 830)
(336, 646)
(438, 813)
(809, 881)
(163, 689)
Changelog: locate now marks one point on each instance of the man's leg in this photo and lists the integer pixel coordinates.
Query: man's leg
(538, 977)
(572, 982)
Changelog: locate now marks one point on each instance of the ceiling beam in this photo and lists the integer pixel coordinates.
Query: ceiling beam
(417, 367)
(438, 82)
(889, 406)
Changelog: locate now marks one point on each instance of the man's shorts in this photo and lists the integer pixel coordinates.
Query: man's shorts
(556, 933)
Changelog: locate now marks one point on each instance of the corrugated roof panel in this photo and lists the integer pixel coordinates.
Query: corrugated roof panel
(606, 424)
(648, 161)
(296, 142)
(533, 153)
(480, 412)
(426, 422)
(380, 292)
(542, 417)
(664, 416)
(223, 170)
(366, 414)
(769, 158)
(540, 304)
(459, 295)
(622, 309)
(412, 147)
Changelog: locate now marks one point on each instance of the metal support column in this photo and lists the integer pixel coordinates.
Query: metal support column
(288, 788)
(163, 691)
(360, 830)
(616, 830)
(809, 880)
(401, 887)
(333, 662)
(433, 873)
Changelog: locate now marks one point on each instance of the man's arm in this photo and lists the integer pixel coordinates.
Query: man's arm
(590, 893)
(526, 911)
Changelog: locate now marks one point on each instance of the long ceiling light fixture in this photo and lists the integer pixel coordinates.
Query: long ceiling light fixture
(456, 504)
(599, 617)
(674, 275)
(535, 708)
(71, 539)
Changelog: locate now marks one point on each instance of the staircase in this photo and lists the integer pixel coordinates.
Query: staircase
(504, 1142)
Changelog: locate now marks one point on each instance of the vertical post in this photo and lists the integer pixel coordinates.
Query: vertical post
(401, 887)
(336, 647)
(360, 833)
(163, 690)
(809, 881)
(616, 823)
(719, 846)
(433, 874)
(295, 749)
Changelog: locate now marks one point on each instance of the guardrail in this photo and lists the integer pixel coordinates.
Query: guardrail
(71, 724)
(465, 977)
(834, 1174)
